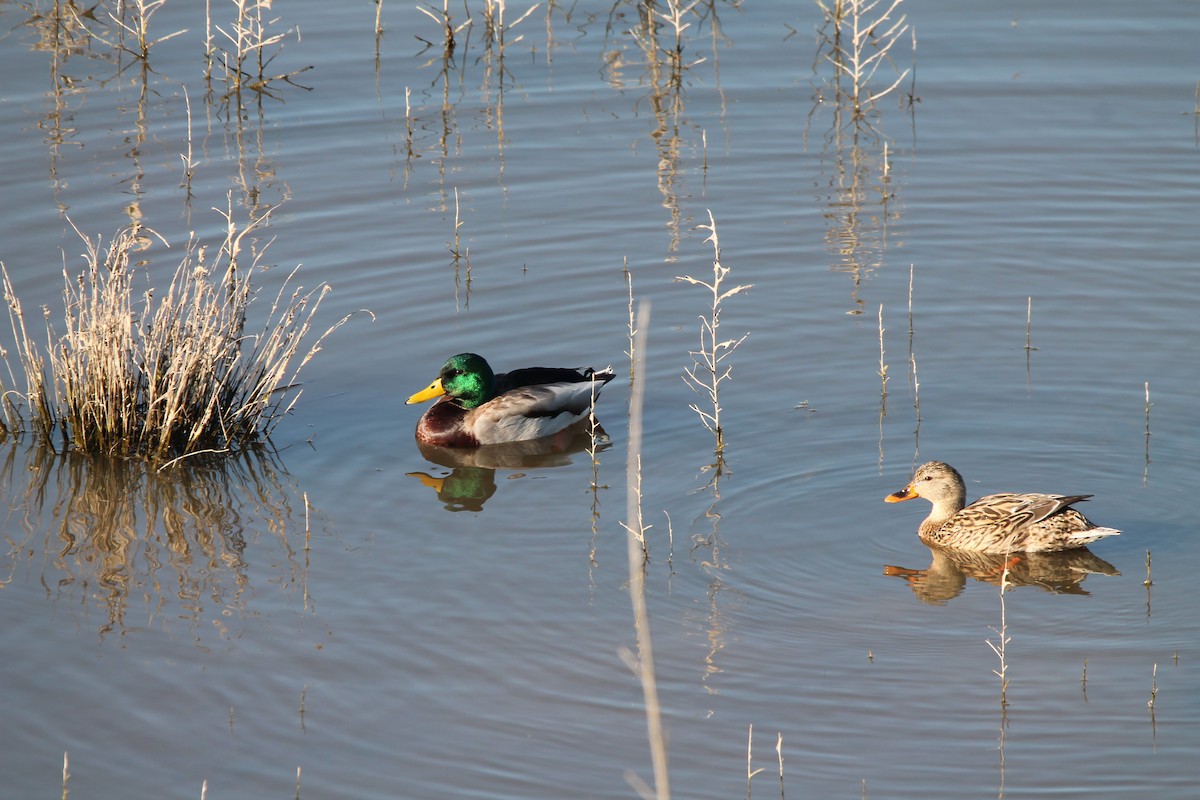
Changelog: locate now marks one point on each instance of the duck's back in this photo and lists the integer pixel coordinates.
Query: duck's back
(1010, 522)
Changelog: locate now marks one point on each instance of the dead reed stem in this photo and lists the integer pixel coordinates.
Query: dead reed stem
(750, 771)
(708, 370)
(1001, 648)
(779, 756)
(631, 327)
(1146, 468)
(1029, 323)
(863, 34)
(644, 664)
(912, 356)
(883, 370)
(636, 526)
(1148, 583)
(139, 13)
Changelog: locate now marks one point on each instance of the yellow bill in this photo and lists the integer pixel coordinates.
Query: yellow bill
(434, 389)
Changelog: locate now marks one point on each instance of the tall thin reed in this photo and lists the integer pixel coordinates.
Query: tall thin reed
(912, 356)
(1146, 468)
(138, 25)
(251, 49)
(633, 465)
(750, 771)
(709, 370)
(1029, 324)
(1148, 583)
(449, 29)
(1000, 647)
(863, 34)
(883, 370)
(883, 377)
(631, 326)
(643, 665)
(779, 756)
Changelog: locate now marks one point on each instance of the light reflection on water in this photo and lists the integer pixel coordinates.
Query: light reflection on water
(150, 548)
(474, 654)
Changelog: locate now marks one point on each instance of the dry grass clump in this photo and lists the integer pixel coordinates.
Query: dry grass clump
(162, 374)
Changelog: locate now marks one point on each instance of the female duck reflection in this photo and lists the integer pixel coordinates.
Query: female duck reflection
(946, 576)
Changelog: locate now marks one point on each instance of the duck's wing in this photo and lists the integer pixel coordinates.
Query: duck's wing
(536, 376)
(1030, 522)
(531, 412)
(1014, 511)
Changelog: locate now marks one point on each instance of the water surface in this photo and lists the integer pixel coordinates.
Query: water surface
(322, 607)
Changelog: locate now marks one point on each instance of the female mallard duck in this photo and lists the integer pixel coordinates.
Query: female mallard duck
(479, 407)
(998, 523)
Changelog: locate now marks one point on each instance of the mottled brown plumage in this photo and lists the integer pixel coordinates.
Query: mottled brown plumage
(998, 523)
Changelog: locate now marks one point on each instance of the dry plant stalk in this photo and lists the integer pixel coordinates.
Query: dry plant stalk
(883, 370)
(672, 18)
(1146, 468)
(636, 526)
(167, 376)
(138, 26)
(495, 28)
(643, 664)
(1001, 648)
(864, 34)
(246, 60)
(449, 30)
(708, 369)
(750, 771)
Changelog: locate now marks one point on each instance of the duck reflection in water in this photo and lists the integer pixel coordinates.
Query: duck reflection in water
(472, 478)
(946, 576)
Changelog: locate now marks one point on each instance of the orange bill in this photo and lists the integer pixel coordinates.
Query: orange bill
(906, 493)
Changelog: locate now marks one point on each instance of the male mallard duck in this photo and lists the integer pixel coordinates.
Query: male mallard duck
(479, 407)
(998, 523)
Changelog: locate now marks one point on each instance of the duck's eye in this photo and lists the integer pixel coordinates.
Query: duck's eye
(927, 478)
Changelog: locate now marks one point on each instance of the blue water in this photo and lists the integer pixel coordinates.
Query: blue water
(323, 609)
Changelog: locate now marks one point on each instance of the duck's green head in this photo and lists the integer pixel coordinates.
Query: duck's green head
(466, 377)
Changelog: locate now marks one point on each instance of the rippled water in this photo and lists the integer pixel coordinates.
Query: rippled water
(396, 623)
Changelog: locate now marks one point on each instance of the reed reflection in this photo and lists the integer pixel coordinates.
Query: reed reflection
(148, 547)
(947, 574)
(471, 481)
(659, 36)
(856, 40)
(62, 32)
